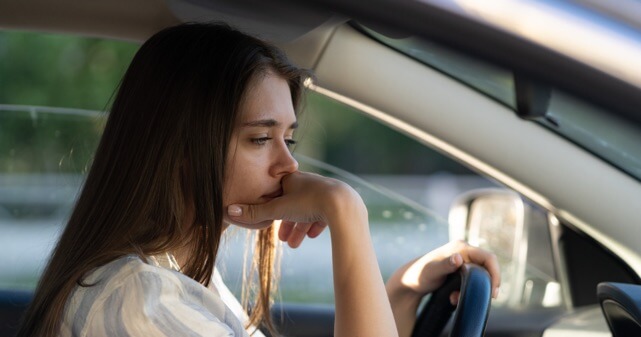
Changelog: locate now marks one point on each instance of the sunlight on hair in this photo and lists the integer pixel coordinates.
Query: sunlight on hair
(261, 273)
(276, 225)
(307, 83)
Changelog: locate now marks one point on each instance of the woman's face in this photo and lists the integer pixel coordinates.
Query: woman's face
(259, 155)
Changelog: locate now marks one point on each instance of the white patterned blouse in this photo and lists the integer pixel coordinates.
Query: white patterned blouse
(134, 298)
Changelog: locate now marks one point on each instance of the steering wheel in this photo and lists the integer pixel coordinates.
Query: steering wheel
(472, 310)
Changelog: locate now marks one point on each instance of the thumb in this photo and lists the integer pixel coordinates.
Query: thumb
(447, 266)
(454, 262)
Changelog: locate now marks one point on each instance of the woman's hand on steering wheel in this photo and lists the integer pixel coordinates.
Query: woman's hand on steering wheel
(407, 286)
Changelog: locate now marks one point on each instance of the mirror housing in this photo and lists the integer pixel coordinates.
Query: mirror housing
(500, 221)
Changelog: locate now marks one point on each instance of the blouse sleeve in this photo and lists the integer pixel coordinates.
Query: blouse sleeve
(156, 304)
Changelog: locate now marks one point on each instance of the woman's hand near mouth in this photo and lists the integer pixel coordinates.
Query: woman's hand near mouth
(274, 194)
(294, 232)
(304, 203)
(308, 204)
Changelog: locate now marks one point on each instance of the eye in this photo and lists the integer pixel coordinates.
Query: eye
(290, 142)
(260, 141)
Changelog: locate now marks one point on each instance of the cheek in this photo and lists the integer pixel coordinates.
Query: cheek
(242, 184)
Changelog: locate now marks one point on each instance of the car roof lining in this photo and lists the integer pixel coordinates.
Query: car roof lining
(137, 20)
(303, 40)
(267, 20)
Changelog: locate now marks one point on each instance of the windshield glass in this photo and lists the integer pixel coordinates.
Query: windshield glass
(603, 133)
(599, 131)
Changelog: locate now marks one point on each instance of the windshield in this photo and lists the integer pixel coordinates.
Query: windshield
(599, 131)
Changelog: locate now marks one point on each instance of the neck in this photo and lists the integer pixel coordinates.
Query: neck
(182, 254)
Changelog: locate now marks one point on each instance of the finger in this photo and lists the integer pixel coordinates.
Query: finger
(450, 265)
(433, 272)
(316, 230)
(298, 234)
(285, 230)
(454, 297)
(489, 261)
(253, 214)
(455, 261)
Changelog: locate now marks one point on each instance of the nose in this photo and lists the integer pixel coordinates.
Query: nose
(284, 162)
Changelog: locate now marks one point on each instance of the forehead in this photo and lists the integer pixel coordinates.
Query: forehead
(267, 97)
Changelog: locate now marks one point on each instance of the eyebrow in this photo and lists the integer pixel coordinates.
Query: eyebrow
(268, 123)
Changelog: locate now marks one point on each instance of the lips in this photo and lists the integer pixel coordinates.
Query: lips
(274, 194)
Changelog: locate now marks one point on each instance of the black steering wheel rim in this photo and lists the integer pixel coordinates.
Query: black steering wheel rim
(472, 309)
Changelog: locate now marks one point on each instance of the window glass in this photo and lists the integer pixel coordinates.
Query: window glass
(59, 70)
(49, 130)
(599, 131)
(44, 155)
(50, 127)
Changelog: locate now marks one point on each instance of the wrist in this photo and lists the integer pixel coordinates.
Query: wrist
(401, 297)
(346, 209)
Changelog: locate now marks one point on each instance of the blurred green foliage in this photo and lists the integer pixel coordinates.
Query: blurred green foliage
(61, 70)
(55, 71)
(38, 141)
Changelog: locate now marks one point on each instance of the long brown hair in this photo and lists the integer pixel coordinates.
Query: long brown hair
(174, 112)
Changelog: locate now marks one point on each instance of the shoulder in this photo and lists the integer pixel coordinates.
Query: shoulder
(132, 298)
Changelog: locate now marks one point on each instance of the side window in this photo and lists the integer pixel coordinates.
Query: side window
(50, 124)
(44, 155)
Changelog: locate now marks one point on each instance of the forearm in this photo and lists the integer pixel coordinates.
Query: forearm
(362, 306)
(403, 297)
(404, 308)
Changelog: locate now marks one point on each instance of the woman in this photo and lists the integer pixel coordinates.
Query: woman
(197, 139)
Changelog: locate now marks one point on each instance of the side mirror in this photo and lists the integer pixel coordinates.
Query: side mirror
(501, 222)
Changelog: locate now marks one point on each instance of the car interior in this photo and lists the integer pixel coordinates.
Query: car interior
(554, 136)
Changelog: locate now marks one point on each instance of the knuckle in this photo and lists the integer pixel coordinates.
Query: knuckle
(460, 244)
